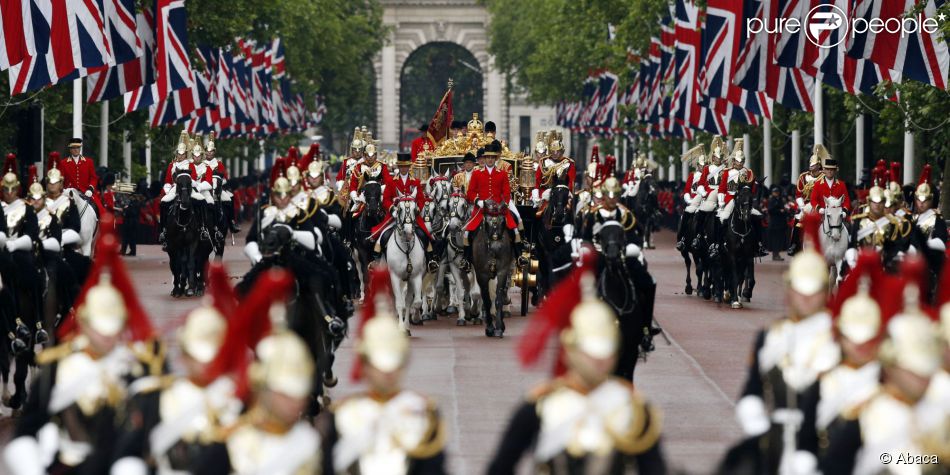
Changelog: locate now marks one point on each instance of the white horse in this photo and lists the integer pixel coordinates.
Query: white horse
(89, 221)
(406, 260)
(834, 235)
(437, 191)
(466, 295)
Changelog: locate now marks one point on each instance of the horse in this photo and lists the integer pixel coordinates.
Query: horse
(467, 295)
(17, 299)
(182, 236)
(834, 236)
(434, 212)
(740, 250)
(553, 245)
(406, 260)
(492, 256)
(371, 215)
(88, 219)
(219, 220)
(646, 206)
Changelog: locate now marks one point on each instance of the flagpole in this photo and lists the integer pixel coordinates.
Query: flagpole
(104, 135)
(684, 167)
(796, 155)
(77, 108)
(127, 153)
(859, 148)
(746, 149)
(148, 160)
(908, 153)
(819, 113)
(767, 151)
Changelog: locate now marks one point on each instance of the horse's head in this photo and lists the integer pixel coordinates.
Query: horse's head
(494, 216)
(559, 205)
(834, 216)
(183, 190)
(744, 201)
(438, 188)
(458, 211)
(612, 241)
(275, 238)
(404, 211)
(372, 194)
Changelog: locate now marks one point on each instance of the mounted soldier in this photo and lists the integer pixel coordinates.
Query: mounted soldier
(78, 399)
(368, 170)
(79, 171)
(555, 171)
(67, 213)
(204, 186)
(929, 235)
(403, 186)
(180, 165)
(729, 184)
(386, 428)
(829, 186)
(461, 180)
(583, 420)
(875, 228)
(489, 184)
(691, 196)
(354, 155)
(708, 190)
(803, 191)
(221, 178)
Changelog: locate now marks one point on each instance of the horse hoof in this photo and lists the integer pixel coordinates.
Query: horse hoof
(428, 317)
(478, 321)
(506, 314)
(15, 402)
(451, 310)
(746, 299)
(330, 380)
(190, 293)
(498, 333)
(460, 322)
(6, 400)
(688, 290)
(489, 332)
(736, 305)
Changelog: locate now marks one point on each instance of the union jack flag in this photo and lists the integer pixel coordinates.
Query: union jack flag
(128, 44)
(920, 55)
(14, 48)
(605, 119)
(756, 71)
(172, 65)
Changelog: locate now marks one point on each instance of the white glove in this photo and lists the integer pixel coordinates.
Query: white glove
(722, 199)
(800, 202)
(22, 243)
(51, 244)
(702, 191)
(22, 456)
(334, 221)
(752, 417)
(851, 257)
(568, 232)
(204, 186)
(168, 187)
(70, 237)
(319, 234)
(305, 238)
(89, 193)
(339, 186)
(546, 195)
(253, 252)
(481, 203)
(354, 197)
(535, 196)
(129, 466)
(632, 250)
(937, 244)
(687, 197)
(3, 239)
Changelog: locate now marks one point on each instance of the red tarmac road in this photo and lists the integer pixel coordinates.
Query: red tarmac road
(478, 382)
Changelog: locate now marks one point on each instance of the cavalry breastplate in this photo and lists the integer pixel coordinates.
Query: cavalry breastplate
(714, 174)
(44, 218)
(252, 450)
(926, 221)
(272, 215)
(736, 178)
(59, 206)
(14, 213)
(875, 233)
(323, 195)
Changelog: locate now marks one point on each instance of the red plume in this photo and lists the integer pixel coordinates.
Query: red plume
(924, 175)
(293, 153)
(379, 285)
(553, 316)
(9, 164)
(52, 161)
(595, 154)
(247, 325)
(107, 260)
(810, 224)
(31, 174)
(896, 172)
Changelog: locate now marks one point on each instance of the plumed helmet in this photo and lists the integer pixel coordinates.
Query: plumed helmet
(281, 187)
(283, 365)
(203, 333)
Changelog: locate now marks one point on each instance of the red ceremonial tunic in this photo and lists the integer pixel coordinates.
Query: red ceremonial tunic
(730, 175)
(835, 189)
(418, 145)
(396, 187)
(79, 174)
(489, 185)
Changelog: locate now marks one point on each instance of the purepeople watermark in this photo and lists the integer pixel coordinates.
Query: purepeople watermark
(823, 20)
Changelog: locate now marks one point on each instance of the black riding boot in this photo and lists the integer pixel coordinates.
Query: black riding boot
(203, 221)
(684, 225)
(793, 245)
(228, 207)
(757, 230)
(162, 220)
(701, 217)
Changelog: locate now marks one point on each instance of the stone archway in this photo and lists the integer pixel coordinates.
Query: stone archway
(414, 23)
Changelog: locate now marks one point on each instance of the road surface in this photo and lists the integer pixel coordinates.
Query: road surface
(694, 379)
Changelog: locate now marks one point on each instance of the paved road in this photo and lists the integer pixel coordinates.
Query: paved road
(695, 378)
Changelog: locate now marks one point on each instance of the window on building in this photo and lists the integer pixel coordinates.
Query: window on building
(525, 143)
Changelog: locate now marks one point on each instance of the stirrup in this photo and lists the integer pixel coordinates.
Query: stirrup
(680, 245)
(432, 265)
(161, 237)
(465, 265)
(205, 236)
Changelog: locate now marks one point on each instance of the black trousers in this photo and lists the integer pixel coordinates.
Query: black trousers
(130, 232)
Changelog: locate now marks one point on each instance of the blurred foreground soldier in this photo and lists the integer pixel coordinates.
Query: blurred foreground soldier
(892, 423)
(584, 421)
(386, 429)
(173, 419)
(70, 421)
(786, 362)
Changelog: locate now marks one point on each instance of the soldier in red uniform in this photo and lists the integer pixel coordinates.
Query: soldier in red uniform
(404, 186)
(830, 186)
(489, 184)
(79, 172)
(419, 143)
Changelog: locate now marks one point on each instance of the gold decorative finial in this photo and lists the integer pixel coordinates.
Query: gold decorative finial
(451, 83)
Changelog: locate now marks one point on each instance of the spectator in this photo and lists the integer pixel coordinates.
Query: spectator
(778, 223)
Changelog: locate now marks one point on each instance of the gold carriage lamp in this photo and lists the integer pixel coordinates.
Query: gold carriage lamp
(421, 166)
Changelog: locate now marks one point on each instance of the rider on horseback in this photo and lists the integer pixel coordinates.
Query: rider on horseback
(355, 154)
(79, 171)
(489, 184)
(22, 237)
(829, 185)
(204, 186)
(875, 228)
(179, 165)
(803, 191)
(403, 187)
(729, 184)
(281, 214)
(368, 169)
(219, 170)
(555, 170)
(691, 194)
(930, 228)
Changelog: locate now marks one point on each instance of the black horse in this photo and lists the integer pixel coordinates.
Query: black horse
(311, 312)
(371, 215)
(624, 284)
(182, 236)
(741, 246)
(646, 208)
(492, 257)
(554, 251)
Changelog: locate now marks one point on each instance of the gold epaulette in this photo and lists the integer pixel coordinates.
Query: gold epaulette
(153, 358)
(55, 353)
(645, 430)
(859, 216)
(154, 383)
(434, 440)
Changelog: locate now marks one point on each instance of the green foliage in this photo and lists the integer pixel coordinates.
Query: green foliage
(424, 79)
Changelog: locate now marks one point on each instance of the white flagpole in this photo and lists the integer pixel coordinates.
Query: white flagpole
(819, 114)
(127, 153)
(104, 135)
(859, 147)
(77, 108)
(148, 160)
(796, 155)
(767, 151)
(908, 154)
